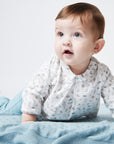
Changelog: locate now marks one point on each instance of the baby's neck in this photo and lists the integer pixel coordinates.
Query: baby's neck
(79, 69)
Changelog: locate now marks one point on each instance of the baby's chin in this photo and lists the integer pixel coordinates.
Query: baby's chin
(68, 62)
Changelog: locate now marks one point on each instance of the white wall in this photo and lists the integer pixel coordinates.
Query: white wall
(27, 38)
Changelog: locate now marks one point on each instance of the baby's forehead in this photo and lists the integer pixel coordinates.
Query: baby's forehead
(72, 21)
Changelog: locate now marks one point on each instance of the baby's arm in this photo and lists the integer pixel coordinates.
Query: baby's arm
(28, 118)
(33, 95)
(108, 92)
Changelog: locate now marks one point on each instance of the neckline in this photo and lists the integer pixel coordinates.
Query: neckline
(89, 72)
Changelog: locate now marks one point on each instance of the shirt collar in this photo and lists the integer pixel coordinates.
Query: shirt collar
(89, 74)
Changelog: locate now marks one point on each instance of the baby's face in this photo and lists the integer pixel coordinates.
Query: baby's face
(74, 42)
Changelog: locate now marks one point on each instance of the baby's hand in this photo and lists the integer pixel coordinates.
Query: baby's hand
(28, 118)
(23, 122)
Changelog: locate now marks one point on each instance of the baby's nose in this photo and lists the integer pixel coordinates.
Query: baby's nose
(67, 43)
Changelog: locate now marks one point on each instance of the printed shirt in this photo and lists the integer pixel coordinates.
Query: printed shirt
(56, 93)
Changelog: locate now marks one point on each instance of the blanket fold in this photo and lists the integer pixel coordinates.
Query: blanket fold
(58, 133)
(13, 106)
(99, 130)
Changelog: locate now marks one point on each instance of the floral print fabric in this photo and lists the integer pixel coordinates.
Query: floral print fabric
(55, 93)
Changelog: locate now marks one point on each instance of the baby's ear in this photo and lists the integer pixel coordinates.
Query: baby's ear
(99, 45)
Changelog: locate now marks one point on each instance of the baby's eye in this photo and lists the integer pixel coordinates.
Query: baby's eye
(77, 34)
(60, 34)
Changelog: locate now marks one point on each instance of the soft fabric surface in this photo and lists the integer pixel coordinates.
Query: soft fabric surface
(99, 130)
(12, 107)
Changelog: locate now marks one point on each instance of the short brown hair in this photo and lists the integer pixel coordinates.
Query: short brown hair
(86, 12)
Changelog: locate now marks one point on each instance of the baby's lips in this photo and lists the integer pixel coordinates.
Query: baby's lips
(67, 51)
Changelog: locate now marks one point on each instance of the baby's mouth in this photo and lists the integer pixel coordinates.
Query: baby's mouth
(68, 52)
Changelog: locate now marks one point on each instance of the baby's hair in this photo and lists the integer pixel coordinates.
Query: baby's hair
(88, 13)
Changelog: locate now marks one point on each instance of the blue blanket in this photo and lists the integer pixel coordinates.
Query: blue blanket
(98, 130)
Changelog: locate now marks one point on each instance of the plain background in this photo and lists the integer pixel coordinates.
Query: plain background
(27, 38)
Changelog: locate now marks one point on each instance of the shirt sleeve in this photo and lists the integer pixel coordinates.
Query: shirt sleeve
(108, 91)
(36, 91)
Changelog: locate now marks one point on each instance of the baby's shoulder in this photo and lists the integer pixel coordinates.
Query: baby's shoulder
(102, 68)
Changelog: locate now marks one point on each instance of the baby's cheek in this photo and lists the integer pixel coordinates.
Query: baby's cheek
(57, 48)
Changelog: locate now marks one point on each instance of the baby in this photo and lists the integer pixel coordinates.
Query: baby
(70, 85)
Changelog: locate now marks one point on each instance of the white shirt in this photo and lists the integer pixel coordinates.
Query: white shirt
(56, 93)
